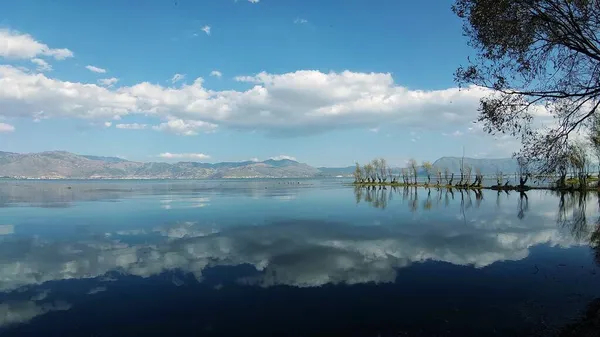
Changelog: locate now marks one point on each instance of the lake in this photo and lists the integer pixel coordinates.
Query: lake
(292, 257)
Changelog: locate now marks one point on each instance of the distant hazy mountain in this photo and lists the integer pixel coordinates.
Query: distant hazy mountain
(337, 171)
(60, 164)
(487, 166)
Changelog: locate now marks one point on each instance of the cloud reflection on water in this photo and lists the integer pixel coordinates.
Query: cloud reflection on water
(306, 253)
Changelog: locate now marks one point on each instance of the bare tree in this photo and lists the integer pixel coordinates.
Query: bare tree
(532, 56)
(376, 169)
(499, 178)
(478, 178)
(390, 174)
(523, 166)
(358, 174)
(412, 164)
(405, 176)
(382, 170)
(447, 176)
(468, 169)
(428, 167)
(369, 172)
(578, 158)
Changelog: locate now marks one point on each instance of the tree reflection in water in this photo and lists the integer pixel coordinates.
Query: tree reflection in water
(572, 215)
(380, 197)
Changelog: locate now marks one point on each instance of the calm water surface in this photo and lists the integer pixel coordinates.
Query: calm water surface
(289, 257)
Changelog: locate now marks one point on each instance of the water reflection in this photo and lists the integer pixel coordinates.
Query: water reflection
(316, 252)
(63, 194)
(380, 197)
(448, 228)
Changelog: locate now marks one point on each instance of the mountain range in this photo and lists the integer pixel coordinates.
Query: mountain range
(66, 165)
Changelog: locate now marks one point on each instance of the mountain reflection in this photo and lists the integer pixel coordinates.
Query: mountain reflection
(61, 194)
(461, 228)
(302, 253)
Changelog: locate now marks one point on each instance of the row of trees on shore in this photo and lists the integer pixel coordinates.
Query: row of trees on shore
(574, 172)
(378, 172)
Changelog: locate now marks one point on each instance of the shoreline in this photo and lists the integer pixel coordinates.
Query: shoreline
(507, 188)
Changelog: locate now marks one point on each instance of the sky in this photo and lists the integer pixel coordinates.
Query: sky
(328, 83)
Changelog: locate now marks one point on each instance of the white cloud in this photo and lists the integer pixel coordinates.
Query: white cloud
(254, 159)
(133, 126)
(300, 21)
(283, 157)
(185, 127)
(95, 69)
(41, 65)
(456, 133)
(6, 127)
(177, 78)
(23, 94)
(254, 1)
(108, 82)
(15, 45)
(169, 155)
(108, 124)
(296, 103)
(375, 130)
(216, 73)
(206, 29)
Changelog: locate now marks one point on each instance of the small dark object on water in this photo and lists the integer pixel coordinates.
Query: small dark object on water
(68, 187)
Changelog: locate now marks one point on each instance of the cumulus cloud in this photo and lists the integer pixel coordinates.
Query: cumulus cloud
(15, 45)
(41, 65)
(95, 69)
(300, 21)
(133, 126)
(283, 157)
(206, 29)
(108, 124)
(456, 133)
(108, 82)
(254, 1)
(169, 155)
(185, 127)
(25, 95)
(216, 73)
(177, 77)
(293, 103)
(6, 127)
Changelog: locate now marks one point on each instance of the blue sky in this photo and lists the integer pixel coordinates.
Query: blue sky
(325, 82)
